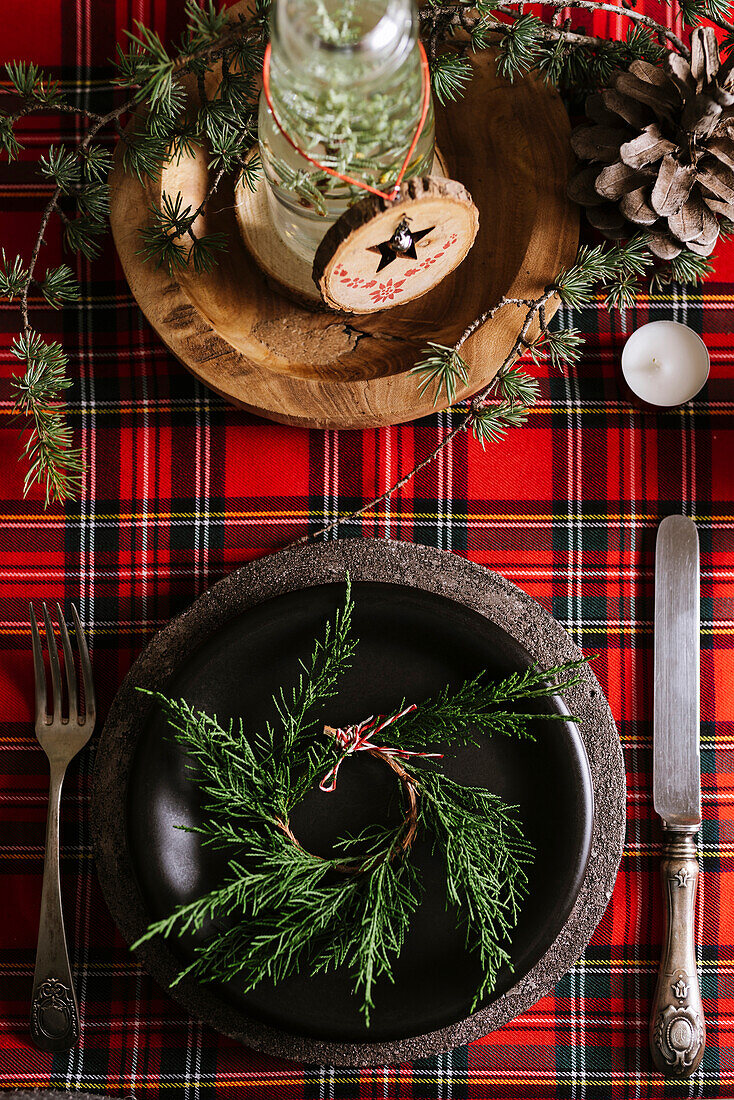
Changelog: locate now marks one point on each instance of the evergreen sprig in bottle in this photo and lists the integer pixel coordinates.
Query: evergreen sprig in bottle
(346, 85)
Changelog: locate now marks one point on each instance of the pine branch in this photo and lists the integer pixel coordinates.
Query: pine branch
(442, 368)
(562, 347)
(58, 286)
(450, 73)
(52, 460)
(149, 72)
(13, 277)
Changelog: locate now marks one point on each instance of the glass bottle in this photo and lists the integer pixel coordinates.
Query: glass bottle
(347, 87)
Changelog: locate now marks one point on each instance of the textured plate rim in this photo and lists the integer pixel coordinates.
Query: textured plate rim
(383, 561)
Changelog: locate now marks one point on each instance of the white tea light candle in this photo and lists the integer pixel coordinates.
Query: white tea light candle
(665, 363)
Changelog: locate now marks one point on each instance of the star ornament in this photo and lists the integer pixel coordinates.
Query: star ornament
(401, 245)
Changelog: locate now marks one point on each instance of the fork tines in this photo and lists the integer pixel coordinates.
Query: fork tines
(42, 715)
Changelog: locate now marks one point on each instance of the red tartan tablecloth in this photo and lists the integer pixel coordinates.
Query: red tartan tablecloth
(180, 489)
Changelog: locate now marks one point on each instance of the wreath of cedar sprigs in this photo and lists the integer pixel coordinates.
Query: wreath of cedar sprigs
(282, 907)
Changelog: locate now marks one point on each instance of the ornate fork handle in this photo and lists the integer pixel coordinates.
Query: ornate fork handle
(677, 1027)
(54, 1011)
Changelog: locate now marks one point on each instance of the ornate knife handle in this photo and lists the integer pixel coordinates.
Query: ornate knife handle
(677, 1028)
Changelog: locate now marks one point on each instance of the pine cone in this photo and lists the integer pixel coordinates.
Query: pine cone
(661, 151)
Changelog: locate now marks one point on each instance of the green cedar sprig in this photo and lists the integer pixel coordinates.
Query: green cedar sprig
(280, 909)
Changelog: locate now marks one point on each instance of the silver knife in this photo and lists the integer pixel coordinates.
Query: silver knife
(677, 1027)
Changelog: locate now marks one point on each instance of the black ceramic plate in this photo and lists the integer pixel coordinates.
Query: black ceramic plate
(413, 640)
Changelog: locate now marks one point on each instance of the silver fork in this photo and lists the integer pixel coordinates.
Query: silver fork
(54, 1010)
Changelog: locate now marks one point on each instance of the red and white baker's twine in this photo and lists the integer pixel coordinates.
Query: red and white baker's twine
(357, 739)
(388, 195)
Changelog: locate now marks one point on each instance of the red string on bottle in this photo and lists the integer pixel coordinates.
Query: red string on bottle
(389, 196)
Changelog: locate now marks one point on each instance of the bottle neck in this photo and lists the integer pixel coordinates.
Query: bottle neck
(343, 43)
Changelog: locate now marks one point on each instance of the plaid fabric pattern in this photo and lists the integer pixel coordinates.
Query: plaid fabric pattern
(181, 489)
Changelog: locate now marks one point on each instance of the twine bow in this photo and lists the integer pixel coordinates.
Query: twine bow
(357, 739)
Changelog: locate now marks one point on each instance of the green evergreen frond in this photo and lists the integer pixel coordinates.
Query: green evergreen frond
(59, 286)
(479, 706)
(633, 257)
(33, 85)
(93, 201)
(150, 66)
(640, 42)
(517, 387)
(489, 423)
(184, 140)
(519, 45)
(96, 164)
(202, 255)
(450, 73)
(561, 346)
(9, 143)
(13, 277)
(164, 249)
(170, 239)
(33, 350)
(690, 268)
(486, 862)
(206, 24)
(694, 12)
(247, 53)
(479, 37)
(278, 908)
(442, 367)
(250, 170)
(621, 292)
(227, 148)
(24, 76)
(262, 11)
(239, 89)
(80, 235)
(142, 154)
(164, 116)
(173, 216)
(62, 165)
(576, 284)
(552, 60)
(52, 460)
(389, 899)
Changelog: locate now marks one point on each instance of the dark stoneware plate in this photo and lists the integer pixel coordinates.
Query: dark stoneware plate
(238, 645)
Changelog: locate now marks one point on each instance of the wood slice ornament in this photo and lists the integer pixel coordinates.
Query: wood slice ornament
(382, 253)
(388, 225)
(318, 368)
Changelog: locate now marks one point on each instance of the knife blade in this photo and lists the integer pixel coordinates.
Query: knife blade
(676, 741)
(677, 1026)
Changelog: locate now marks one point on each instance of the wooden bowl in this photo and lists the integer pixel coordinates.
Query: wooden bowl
(507, 143)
